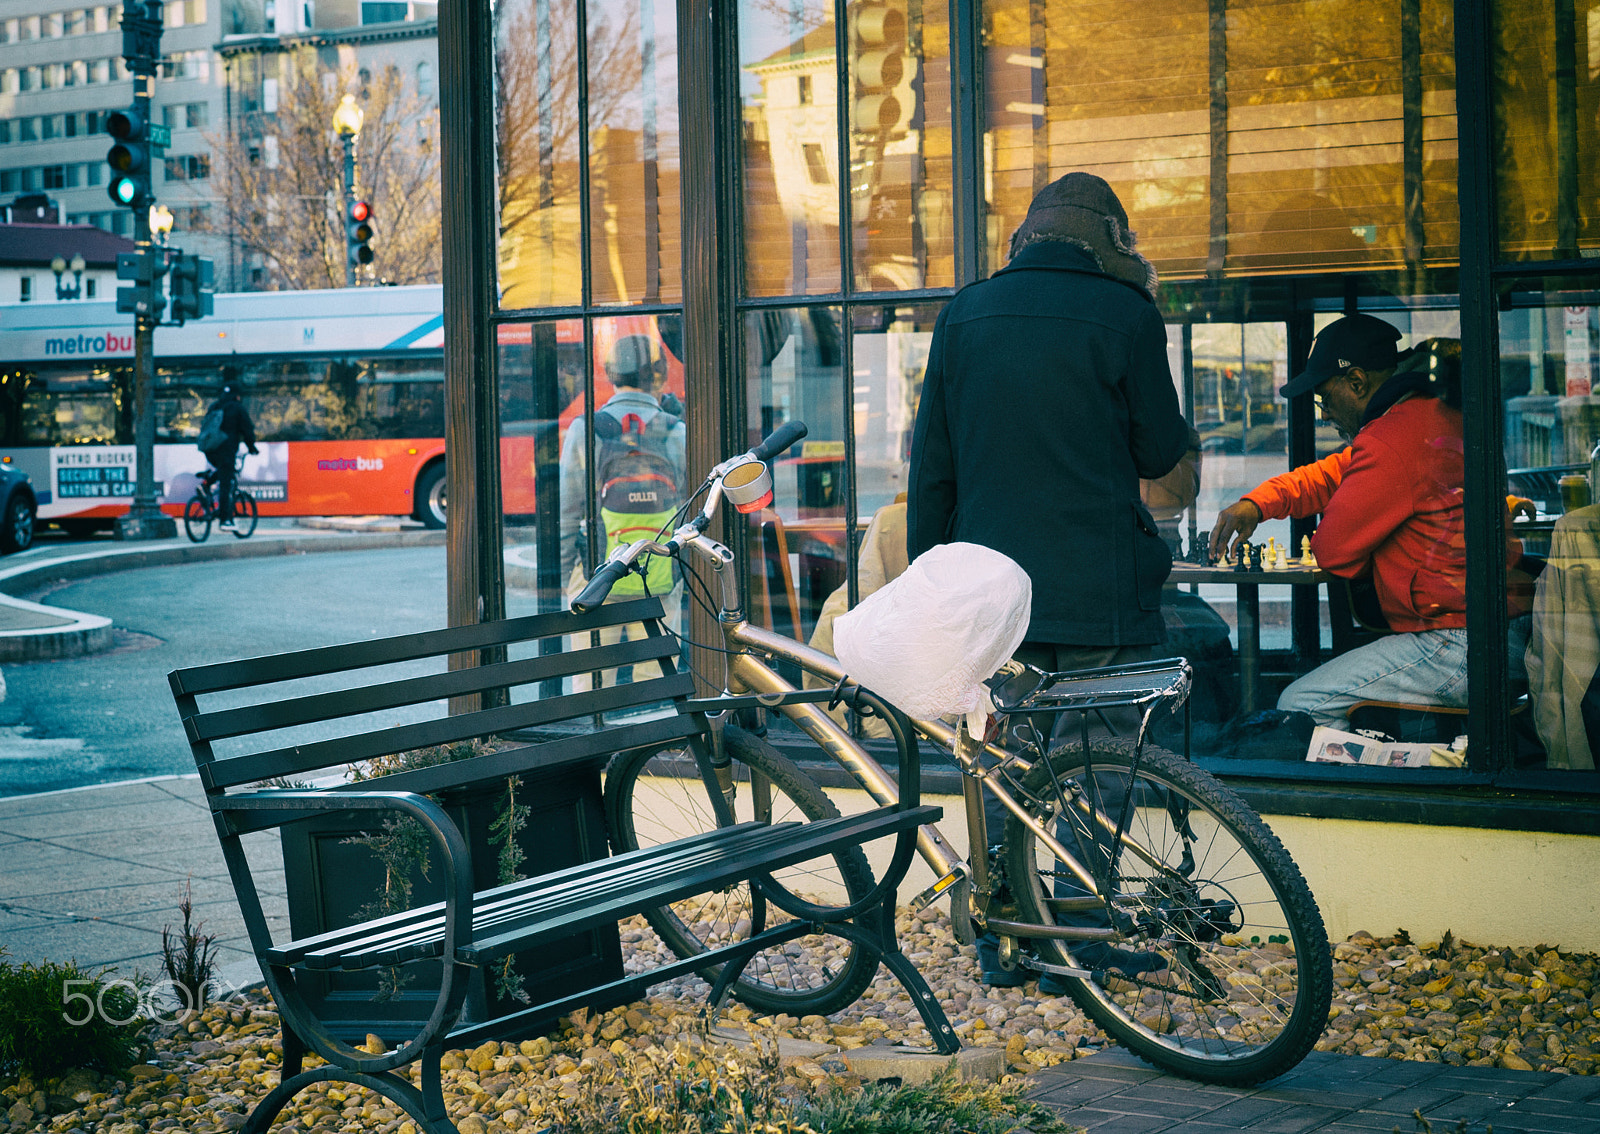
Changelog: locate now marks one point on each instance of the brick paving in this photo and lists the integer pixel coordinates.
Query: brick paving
(1115, 1092)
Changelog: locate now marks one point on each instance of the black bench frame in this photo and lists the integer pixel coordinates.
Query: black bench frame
(474, 928)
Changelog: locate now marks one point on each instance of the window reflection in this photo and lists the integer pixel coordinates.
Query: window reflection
(1282, 137)
(1548, 337)
(633, 151)
(538, 130)
(789, 91)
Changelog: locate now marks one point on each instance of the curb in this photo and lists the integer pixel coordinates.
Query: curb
(79, 634)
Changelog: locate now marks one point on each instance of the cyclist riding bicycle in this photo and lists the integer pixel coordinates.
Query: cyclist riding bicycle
(236, 428)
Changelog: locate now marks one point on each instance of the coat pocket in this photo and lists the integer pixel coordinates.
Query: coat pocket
(1152, 561)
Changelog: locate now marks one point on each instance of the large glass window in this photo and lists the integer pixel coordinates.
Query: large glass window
(538, 115)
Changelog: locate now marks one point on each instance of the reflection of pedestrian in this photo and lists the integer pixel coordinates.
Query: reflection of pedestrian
(238, 428)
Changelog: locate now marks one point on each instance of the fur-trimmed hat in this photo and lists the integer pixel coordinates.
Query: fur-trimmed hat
(1082, 210)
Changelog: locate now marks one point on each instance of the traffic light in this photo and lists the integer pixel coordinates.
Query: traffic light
(129, 158)
(145, 269)
(357, 231)
(191, 288)
(879, 34)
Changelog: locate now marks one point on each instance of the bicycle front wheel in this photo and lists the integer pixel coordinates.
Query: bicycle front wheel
(197, 519)
(1225, 975)
(654, 796)
(244, 514)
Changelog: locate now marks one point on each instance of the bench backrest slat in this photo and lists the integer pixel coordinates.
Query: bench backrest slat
(303, 758)
(324, 660)
(419, 690)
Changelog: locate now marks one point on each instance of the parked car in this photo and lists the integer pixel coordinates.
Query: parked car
(21, 507)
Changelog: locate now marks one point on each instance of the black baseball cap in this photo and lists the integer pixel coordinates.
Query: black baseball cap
(1355, 340)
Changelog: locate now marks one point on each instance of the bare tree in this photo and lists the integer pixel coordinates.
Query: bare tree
(282, 178)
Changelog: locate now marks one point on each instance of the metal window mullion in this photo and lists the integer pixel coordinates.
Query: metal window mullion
(966, 142)
(1488, 727)
(845, 82)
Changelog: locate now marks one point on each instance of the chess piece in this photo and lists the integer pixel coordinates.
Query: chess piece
(1306, 558)
(1283, 559)
(1242, 563)
(1272, 551)
(1255, 557)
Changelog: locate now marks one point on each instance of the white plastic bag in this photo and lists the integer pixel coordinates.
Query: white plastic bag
(927, 641)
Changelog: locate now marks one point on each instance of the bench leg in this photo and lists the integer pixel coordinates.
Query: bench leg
(429, 1119)
(875, 932)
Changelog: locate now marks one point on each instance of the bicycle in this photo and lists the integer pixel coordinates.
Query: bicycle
(203, 507)
(1218, 967)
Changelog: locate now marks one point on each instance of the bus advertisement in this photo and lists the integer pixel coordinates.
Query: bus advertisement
(345, 388)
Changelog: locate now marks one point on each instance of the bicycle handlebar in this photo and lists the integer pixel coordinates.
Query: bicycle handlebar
(600, 586)
(780, 439)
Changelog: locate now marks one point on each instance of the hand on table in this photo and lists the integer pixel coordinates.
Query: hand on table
(1235, 522)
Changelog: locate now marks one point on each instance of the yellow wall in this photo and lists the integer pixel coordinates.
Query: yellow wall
(1486, 887)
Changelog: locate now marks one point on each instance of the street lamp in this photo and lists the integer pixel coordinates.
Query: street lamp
(160, 222)
(347, 120)
(59, 266)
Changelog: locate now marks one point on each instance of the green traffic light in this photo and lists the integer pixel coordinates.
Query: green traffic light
(124, 190)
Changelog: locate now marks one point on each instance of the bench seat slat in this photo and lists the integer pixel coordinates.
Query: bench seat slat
(323, 660)
(292, 952)
(302, 758)
(340, 703)
(522, 915)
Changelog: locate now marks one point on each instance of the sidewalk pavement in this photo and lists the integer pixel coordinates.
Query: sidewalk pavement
(1115, 1093)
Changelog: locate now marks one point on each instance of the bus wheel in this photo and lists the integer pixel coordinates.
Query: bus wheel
(431, 496)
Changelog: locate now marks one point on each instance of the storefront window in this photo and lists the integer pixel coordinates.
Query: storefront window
(633, 151)
(1547, 95)
(1272, 138)
(900, 172)
(788, 89)
(1548, 338)
(539, 120)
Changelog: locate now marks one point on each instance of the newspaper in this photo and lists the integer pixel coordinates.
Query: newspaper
(1331, 746)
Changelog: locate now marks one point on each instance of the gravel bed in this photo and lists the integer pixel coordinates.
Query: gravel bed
(1449, 1002)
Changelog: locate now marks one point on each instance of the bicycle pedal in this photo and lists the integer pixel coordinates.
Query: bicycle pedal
(937, 890)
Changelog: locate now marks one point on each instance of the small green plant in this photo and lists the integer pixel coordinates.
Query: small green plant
(189, 957)
(1423, 1126)
(56, 1017)
(944, 1104)
(503, 831)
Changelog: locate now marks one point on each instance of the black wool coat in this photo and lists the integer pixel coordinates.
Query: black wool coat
(1047, 397)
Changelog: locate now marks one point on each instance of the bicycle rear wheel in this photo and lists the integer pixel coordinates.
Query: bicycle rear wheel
(1237, 976)
(244, 514)
(197, 515)
(648, 804)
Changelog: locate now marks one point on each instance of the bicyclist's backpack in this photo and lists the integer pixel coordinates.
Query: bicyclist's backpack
(212, 436)
(639, 491)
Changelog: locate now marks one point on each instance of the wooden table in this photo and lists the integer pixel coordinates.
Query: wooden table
(1249, 584)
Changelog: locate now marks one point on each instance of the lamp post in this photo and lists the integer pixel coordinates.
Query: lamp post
(347, 120)
(59, 266)
(160, 222)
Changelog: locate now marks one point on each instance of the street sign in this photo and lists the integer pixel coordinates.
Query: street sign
(158, 135)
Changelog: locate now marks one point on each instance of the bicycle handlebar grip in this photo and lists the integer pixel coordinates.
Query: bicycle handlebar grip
(600, 586)
(782, 437)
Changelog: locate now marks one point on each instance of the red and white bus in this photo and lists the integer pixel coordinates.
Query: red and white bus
(345, 387)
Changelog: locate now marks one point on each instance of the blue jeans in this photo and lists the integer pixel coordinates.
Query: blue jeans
(1425, 667)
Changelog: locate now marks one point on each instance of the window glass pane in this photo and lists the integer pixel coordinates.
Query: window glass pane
(1549, 332)
(900, 145)
(795, 371)
(540, 373)
(539, 131)
(633, 151)
(789, 94)
(1547, 94)
(1288, 136)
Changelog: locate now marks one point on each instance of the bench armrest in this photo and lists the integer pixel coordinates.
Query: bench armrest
(284, 805)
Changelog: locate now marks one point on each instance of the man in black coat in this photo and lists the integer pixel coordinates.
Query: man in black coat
(1046, 399)
(237, 425)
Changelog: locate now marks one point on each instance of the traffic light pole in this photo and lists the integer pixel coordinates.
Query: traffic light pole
(349, 141)
(145, 519)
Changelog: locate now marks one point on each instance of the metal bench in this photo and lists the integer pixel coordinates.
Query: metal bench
(255, 730)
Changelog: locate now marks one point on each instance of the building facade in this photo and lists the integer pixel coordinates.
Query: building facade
(784, 197)
(34, 243)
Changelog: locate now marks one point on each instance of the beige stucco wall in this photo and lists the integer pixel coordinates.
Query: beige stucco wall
(1486, 887)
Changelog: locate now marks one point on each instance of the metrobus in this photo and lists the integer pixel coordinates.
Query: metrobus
(345, 388)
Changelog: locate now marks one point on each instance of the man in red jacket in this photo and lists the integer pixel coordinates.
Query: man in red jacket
(1391, 505)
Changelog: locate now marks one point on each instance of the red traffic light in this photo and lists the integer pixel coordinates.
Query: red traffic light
(360, 210)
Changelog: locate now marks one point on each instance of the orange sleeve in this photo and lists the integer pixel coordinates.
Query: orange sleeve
(1303, 491)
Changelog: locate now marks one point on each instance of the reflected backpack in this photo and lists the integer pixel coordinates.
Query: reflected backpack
(212, 435)
(639, 491)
